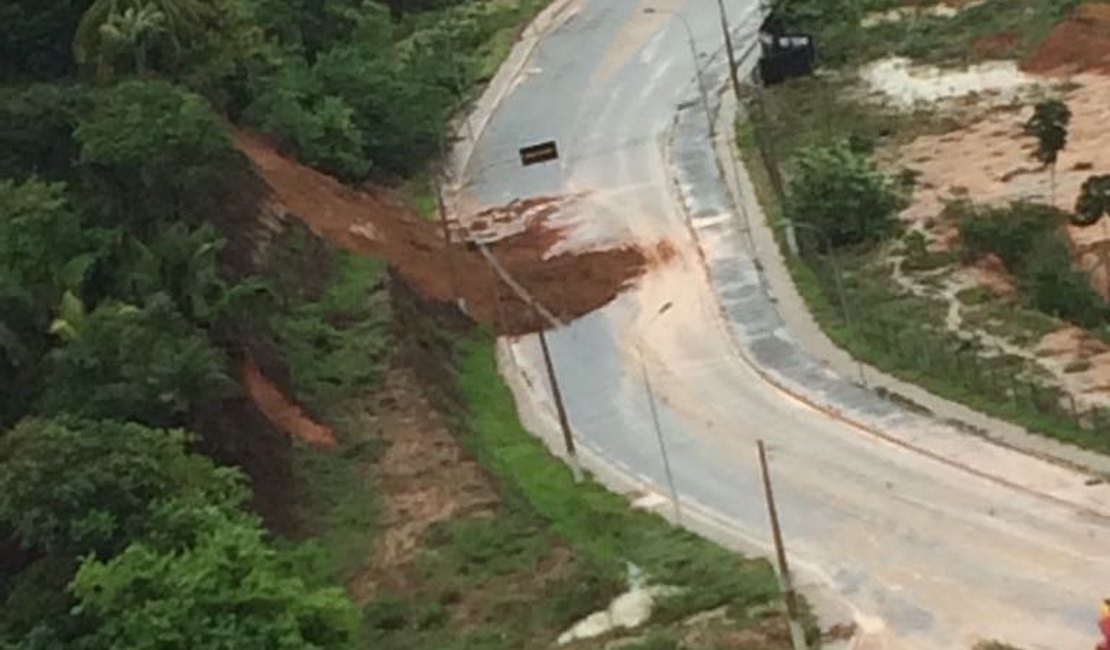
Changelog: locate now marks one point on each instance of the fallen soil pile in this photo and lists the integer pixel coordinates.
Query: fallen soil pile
(370, 221)
(1078, 43)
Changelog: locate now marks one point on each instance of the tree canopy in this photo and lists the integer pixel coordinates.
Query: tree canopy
(78, 487)
(132, 292)
(228, 589)
(1049, 125)
(842, 194)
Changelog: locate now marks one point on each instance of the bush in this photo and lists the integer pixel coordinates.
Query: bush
(1053, 285)
(842, 194)
(1009, 232)
(1027, 237)
(335, 346)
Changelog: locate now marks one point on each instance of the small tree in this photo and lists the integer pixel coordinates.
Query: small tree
(844, 195)
(1049, 124)
(1092, 205)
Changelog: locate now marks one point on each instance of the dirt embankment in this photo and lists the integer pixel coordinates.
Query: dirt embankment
(1081, 42)
(370, 221)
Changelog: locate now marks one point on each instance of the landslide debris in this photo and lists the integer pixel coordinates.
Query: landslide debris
(368, 220)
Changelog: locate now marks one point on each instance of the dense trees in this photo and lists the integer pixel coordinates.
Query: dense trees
(79, 487)
(170, 560)
(126, 302)
(226, 588)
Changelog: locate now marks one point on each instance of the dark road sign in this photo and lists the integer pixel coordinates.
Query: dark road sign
(539, 153)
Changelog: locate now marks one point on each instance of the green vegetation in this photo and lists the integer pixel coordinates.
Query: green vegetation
(1028, 238)
(1093, 202)
(333, 345)
(131, 295)
(930, 39)
(841, 194)
(904, 332)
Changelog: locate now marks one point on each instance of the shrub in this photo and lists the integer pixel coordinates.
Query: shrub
(842, 194)
(1009, 232)
(1053, 285)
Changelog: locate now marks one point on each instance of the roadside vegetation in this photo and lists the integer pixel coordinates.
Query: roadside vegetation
(959, 300)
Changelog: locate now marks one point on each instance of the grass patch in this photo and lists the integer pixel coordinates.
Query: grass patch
(419, 191)
(504, 36)
(828, 108)
(596, 523)
(930, 39)
(335, 345)
(1011, 321)
(972, 296)
(336, 502)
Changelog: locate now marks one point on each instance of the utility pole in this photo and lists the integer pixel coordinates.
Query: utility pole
(797, 633)
(568, 439)
(659, 439)
(732, 73)
(763, 143)
(441, 208)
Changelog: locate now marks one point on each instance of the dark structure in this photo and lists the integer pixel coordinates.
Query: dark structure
(784, 56)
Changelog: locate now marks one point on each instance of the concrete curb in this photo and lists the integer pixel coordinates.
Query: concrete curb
(470, 126)
(761, 338)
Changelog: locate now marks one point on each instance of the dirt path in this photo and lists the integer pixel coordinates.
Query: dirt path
(424, 477)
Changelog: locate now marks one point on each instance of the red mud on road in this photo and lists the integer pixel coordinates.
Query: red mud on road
(372, 222)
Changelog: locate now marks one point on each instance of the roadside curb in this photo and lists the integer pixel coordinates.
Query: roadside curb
(538, 414)
(469, 126)
(759, 335)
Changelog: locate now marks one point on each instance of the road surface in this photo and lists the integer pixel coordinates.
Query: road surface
(925, 554)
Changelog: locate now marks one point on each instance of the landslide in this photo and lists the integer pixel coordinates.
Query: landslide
(370, 221)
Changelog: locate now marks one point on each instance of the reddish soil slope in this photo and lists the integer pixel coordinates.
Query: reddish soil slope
(372, 222)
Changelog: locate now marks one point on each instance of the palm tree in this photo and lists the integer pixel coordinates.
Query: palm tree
(1049, 124)
(109, 23)
(133, 30)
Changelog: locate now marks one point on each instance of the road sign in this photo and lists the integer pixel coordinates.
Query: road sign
(539, 153)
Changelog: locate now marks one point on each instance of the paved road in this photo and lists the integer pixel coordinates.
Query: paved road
(926, 555)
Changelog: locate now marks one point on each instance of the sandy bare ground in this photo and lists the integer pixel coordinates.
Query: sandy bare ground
(989, 161)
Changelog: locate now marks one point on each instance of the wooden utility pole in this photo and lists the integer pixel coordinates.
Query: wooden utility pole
(568, 438)
(763, 143)
(797, 633)
(441, 208)
(732, 73)
(659, 439)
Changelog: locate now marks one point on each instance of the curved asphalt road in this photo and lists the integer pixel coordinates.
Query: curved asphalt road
(926, 555)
